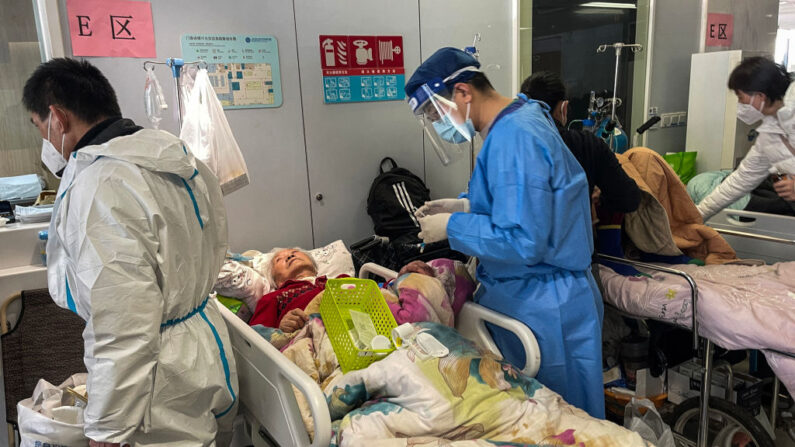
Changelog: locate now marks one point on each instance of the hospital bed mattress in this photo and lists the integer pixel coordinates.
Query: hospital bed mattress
(739, 307)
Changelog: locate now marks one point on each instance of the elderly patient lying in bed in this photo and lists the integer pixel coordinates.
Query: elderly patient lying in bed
(410, 399)
(295, 275)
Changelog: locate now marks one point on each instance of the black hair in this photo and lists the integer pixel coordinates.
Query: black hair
(74, 85)
(545, 86)
(480, 82)
(760, 74)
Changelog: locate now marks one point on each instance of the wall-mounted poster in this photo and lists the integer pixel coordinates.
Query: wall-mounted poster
(243, 68)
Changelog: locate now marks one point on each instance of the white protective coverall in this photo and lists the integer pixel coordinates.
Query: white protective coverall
(768, 155)
(136, 242)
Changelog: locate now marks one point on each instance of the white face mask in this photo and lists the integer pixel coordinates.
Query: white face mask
(50, 156)
(749, 114)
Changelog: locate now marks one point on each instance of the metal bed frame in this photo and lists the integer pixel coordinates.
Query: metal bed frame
(706, 354)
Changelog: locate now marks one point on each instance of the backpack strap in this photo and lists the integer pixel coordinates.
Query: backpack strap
(381, 165)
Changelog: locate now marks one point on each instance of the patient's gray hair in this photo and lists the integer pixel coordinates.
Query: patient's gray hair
(268, 267)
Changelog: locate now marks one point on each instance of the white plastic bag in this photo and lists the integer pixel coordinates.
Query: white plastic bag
(207, 134)
(236, 280)
(154, 101)
(186, 78)
(25, 187)
(33, 214)
(37, 429)
(649, 426)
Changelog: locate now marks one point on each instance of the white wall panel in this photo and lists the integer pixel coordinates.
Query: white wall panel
(306, 147)
(274, 208)
(345, 142)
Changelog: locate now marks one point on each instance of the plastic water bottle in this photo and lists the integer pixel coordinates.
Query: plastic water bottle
(43, 246)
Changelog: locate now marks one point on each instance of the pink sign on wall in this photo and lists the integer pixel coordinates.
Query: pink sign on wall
(720, 28)
(362, 68)
(113, 28)
(360, 52)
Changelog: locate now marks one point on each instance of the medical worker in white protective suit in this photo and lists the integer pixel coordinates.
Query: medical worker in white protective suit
(136, 241)
(760, 85)
(526, 216)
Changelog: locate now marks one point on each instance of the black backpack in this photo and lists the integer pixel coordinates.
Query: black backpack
(394, 197)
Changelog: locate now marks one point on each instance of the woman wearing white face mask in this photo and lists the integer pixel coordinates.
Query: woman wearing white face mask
(760, 85)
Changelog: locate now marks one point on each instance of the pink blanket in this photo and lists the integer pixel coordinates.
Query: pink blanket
(413, 298)
(739, 307)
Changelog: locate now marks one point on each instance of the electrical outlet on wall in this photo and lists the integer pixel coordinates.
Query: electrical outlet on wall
(673, 119)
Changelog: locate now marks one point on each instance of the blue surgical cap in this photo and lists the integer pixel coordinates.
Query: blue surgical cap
(440, 65)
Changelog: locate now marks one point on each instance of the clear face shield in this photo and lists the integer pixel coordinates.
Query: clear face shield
(448, 128)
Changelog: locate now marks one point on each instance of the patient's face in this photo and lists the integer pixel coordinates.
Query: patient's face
(291, 264)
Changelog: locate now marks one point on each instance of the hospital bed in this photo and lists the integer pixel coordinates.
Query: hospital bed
(758, 236)
(267, 377)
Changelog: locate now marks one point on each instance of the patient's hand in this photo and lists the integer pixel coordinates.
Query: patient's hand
(417, 267)
(293, 321)
(596, 200)
(786, 188)
(596, 196)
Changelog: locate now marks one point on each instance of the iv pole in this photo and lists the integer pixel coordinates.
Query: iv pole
(176, 65)
(635, 47)
(473, 50)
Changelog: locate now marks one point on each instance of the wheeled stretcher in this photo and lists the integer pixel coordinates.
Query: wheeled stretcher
(709, 312)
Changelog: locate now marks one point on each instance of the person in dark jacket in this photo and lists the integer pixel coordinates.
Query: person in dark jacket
(619, 193)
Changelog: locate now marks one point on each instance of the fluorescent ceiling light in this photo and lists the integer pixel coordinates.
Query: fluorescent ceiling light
(608, 5)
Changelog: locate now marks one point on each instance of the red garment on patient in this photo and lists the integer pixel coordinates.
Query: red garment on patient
(272, 307)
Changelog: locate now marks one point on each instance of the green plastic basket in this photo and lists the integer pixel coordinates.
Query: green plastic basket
(362, 295)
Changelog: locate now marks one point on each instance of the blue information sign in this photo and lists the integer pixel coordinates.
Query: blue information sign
(243, 68)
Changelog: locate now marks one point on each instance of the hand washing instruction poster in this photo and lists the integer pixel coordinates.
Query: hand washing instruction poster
(243, 69)
(362, 68)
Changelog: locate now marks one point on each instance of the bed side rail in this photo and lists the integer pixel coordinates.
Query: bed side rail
(764, 227)
(760, 237)
(377, 270)
(690, 281)
(266, 396)
(471, 323)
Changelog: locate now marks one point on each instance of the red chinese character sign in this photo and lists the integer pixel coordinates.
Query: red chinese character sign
(114, 28)
(720, 28)
(362, 68)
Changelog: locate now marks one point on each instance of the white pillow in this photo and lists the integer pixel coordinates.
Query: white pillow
(332, 260)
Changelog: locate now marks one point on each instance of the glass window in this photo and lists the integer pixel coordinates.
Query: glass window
(20, 142)
(566, 34)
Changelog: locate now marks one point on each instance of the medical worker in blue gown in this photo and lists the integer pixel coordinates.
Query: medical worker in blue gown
(526, 217)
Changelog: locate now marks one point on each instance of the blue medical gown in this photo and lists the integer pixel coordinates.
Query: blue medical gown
(529, 225)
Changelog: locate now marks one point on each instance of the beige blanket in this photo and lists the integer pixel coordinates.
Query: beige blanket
(667, 221)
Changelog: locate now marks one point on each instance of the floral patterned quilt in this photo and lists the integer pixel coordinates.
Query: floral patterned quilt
(467, 398)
